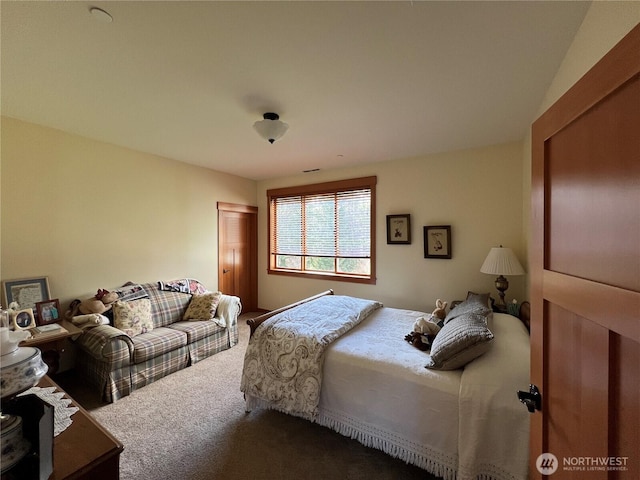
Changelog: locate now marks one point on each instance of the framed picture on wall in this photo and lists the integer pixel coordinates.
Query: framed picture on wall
(399, 229)
(437, 241)
(26, 292)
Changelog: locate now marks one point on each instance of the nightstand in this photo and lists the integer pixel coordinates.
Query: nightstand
(52, 344)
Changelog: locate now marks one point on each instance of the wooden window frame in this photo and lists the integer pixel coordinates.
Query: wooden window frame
(316, 189)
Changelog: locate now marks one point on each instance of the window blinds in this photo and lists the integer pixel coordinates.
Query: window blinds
(334, 224)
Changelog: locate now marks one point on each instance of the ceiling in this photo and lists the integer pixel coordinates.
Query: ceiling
(357, 82)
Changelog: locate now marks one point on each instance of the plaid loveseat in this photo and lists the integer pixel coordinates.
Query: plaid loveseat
(117, 364)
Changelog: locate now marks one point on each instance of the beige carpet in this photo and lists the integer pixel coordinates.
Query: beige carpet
(192, 425)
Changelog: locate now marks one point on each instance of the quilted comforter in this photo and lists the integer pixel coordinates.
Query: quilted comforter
(284, 358)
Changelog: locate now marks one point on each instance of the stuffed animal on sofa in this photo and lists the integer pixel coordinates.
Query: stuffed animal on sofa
(99, 303)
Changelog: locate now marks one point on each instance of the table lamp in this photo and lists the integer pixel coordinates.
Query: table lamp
(501, 261)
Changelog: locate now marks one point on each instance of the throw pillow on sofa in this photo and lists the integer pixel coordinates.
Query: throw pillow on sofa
(203, 307)
(133, 317)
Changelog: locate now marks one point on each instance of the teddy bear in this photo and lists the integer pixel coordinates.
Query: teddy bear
(426, 325)
(426, 328)
(99, 303)
(440, 309)
(429, 325)
(422, 341)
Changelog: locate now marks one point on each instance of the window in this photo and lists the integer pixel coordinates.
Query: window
(325, 229)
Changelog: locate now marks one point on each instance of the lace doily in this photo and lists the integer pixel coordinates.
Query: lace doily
(62, 411)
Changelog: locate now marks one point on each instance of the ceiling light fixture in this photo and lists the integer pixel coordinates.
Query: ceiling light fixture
(270, 127)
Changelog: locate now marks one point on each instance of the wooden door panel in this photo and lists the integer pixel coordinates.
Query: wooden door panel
(625, 426)
(615, 308)
(584, 187)
(237, 253)
(576, 386)
(585, 273)
(233, 235)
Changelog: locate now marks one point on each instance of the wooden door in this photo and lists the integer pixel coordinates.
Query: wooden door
(585, 280)
(238, 253)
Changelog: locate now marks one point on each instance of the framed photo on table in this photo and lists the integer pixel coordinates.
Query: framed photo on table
(399, 229)
(437, 241)
(48, 312)
(23, 319)
(26, 292)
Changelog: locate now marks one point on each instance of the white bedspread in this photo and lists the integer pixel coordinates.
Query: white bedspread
(459, 424)
(377, 391)
(494, 431)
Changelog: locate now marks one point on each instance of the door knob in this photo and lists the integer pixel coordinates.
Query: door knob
(532, 399)
(224, 270)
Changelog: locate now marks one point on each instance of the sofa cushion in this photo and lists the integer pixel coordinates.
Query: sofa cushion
(133, 317)
(166, 307)
(203, 307)
(157, 342)
(196, 330)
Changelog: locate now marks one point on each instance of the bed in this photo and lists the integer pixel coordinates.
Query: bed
(372, 385)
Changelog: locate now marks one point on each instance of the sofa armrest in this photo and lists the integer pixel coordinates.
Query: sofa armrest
(228, 311)
(107, 344)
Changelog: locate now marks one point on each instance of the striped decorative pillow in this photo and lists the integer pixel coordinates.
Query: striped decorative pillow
(460, 340)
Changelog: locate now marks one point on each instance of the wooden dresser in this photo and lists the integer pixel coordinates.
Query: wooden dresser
(85, 450)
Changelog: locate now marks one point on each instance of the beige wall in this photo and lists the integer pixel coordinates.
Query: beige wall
(604, 25)
(478, 192)
(91, 215)
(405, 278)
(67, 213)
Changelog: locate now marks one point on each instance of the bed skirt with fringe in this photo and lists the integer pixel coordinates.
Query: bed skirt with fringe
(437, 463)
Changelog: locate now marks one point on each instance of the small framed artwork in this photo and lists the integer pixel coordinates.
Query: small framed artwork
(48, 312)
(399, 229)
(26, 292)
(23, 319)
(437, 241)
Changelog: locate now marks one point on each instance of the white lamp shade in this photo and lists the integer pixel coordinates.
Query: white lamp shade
(270, 130)
(502, 261)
